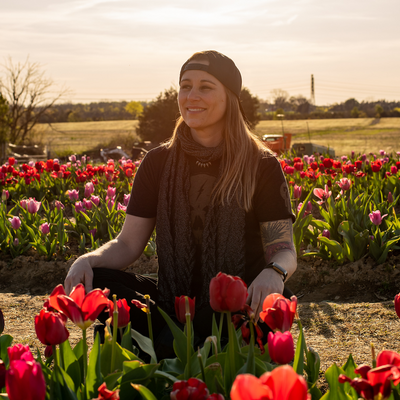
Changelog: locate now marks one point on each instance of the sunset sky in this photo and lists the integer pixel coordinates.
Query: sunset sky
(133, 50)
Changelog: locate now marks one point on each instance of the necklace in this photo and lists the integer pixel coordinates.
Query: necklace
(203, 165)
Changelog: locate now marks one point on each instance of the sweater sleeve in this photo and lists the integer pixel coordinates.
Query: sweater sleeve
(271, 200)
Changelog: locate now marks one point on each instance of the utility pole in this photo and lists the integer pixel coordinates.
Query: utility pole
(312, 90)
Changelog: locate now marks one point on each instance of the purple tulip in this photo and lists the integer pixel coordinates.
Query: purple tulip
(45, 228)
(79, 207)
(33, 206)
(16, 242)
(93, 232)
(73, 194)
(376, 217)
(344, 158)
(72, 158)
(363, 157)
(390, 197)
(326, 233)
(382, 152)
(15, 222)
(352, 154)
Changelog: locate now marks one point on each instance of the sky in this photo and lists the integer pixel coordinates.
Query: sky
(133, 50)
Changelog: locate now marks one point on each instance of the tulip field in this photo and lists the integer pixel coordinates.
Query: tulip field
(346, 209)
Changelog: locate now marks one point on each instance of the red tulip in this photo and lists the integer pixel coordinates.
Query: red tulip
(105, 394)
(282, 383)
(374, 382)
(227, 293)
(376, 166)
(180, 308)
(281, 347)
(123, 313)
(397, 304)
(48, 351)
(278, 312)
(25, 381)
(2, 374)
(81, 309)
(387, 357)
(19, 352)
(216, 396)
(50, 328)
(192, 389)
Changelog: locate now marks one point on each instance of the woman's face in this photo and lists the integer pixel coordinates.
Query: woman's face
(202, 102)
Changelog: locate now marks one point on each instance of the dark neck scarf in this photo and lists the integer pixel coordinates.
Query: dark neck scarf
(223, 247)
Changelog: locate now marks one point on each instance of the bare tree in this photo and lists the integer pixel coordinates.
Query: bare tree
(280, 97)
(28, 94)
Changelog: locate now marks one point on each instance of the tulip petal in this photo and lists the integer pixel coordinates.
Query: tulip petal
(93, 304)
(70, 309)
(249, 387)
(78, 294)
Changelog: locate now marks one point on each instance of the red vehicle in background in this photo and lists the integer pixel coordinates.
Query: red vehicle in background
(278, 143)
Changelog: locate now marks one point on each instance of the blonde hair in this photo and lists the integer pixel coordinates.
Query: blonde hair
(240, 159)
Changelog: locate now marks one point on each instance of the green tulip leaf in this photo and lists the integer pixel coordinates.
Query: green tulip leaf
(336, 390)
(214, 379)
(71, 363)
(126, 341)
(144, 392)
(94, 378)
(145, 344)
(173, 366)
(5, 342)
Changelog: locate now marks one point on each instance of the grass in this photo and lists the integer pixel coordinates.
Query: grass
(362, 135)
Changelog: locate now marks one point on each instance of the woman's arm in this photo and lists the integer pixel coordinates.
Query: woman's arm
(115, 254)
(277, 240)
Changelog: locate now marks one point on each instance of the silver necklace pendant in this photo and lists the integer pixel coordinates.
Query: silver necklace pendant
(203, 165)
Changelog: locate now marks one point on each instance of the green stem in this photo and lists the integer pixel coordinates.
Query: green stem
(55, 355)
(200, 358)
(231, 344)
(115, 332)
(61, 357)
(85, 360)
(188, 344)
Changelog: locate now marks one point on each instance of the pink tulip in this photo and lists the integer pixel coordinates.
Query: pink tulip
(376, 217)
(121, 207)
(110, 204)
(111, 192)
(344, 184)
(59, 205)
(322, 194)
(16, 242)
(393, 169)
(127, 197)
(95, 200)
(89, 189)
(19, 352)
(281, 347)
(15, 222)
(79, 207)
(72, 158)
(33, 206)
(73, 194)
(23, 203)
(45, 228)
(297, 191)
(88, 204)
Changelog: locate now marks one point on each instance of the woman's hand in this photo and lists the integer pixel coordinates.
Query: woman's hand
(268, 281)
(80, 272)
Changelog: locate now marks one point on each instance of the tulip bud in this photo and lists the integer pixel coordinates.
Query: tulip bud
(15, 222)
(16, 242)
(180, 308)
(281, 347)
(227, 293)
(48, 351)
(390, 197)
(5, 195)
(326, 233)
(297, 191)
(50, 328)
(45, 228)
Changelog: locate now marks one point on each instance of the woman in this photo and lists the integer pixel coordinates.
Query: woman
(218, 199)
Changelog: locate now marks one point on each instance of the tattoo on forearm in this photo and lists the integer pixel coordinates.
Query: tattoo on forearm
(277, 236)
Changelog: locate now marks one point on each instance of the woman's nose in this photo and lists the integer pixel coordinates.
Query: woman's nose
(193, 94)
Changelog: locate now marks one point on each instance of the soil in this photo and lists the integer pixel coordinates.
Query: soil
(343, 309)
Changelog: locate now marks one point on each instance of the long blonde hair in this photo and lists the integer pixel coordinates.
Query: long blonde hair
(240, 159)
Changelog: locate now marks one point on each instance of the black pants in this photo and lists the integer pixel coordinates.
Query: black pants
(125, 285)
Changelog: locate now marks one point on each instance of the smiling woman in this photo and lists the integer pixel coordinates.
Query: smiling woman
(215, 194)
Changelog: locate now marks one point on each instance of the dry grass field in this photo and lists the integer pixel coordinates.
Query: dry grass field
(362, 135)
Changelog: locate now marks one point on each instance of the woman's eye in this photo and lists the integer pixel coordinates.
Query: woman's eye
(185, 87)
(205, 88)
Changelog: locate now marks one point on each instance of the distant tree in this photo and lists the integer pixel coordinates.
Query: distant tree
(3, 119)
(157, 121)
(250, 105)
(29, 94)
(135, 108)
(300, 104)
(378, 111)
(355, 112)
(280, 97)
(349, 104)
